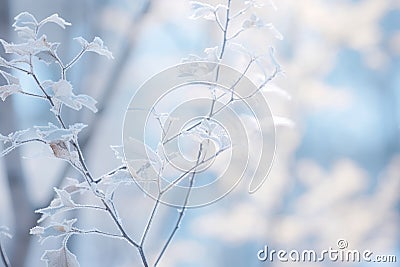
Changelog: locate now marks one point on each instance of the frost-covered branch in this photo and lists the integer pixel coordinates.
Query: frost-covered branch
(184, 207)
(63, 141)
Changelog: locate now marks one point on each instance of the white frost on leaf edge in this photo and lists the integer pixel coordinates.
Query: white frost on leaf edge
(13, 86)
(61, 257)
(96, 46)
(63, 93)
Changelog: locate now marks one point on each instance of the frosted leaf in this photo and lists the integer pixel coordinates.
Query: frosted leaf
(112, 181)
(253, 22)
(82, 41)
(25, 25)
(54, 229)
(49, 56)
(25, 32)
(62, 91)
(9, 78)
(4, 63)
(63, 202)
(199, 66)
(74, 186)
(10, 48)
(144, 153)
(52, 133)
(13, 86)
(25, 18)
(60, 258)
(64, 150)
(16, 137)
(202, 10)
(13, 140)
(274, 31)
(96, 46)
(119, 177)
(16, 61)
(24, 49)
(282, 121)
(37, 230)
(54, 19)
(209, 130)
(212, 54)
(86, 101)
(37, 47)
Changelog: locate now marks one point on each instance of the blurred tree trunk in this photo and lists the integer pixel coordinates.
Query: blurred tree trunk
(23, 215)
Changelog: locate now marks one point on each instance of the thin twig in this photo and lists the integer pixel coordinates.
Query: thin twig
(236, 34)
(218, 21)
(86, 174)
(231, 89)
(34, 95)
(182, 211)
(96, 232)
(224, 42)
(240, 12)
(150, 221)
(73, 61)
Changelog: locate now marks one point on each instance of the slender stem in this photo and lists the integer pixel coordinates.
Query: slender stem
(242, 11)
(182, 211)
(85, 171)
(18, 68)
(34, 95)
(225, 30)
(149, 222)
(96, 232)
(120, 168)
(183, 175)
(42, 88)
(217, 19)
(90, 180)
(58, 116)
(270, 78)
(236, 34)
(30, 141)
(19, 143)
(224, 42)
(90, 207)
(231, 89)
(143, 257)
(73, 61)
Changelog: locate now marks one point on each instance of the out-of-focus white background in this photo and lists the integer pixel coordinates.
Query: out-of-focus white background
(337, 170)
